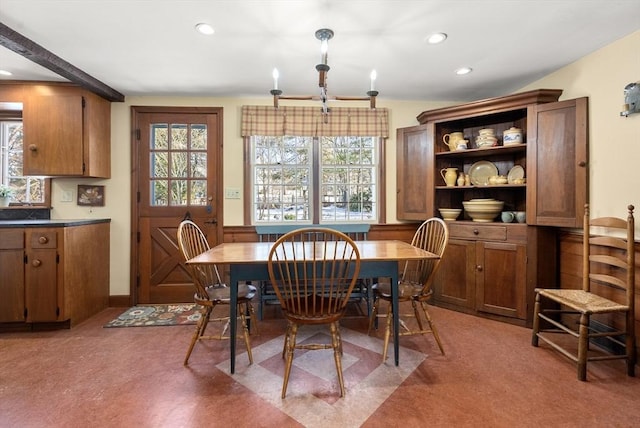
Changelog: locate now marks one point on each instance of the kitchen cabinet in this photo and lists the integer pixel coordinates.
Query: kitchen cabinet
(67, 129)
(56, 275)
(491, 268)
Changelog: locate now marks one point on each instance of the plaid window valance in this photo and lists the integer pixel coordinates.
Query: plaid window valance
(310, 122)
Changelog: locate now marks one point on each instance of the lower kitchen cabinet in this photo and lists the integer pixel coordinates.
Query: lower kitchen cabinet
(53, 275)
(491, 270)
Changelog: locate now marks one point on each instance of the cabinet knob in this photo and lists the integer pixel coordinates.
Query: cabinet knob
(479, 268)
(36, 263)
(476, 231)
(582, 163)
(33, 147)
(43, 239)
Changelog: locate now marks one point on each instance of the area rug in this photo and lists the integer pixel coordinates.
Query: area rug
(157, 315)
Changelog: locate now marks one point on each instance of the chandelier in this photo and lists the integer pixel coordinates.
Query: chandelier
(324, 35)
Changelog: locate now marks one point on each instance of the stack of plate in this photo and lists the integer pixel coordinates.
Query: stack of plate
(483, 210)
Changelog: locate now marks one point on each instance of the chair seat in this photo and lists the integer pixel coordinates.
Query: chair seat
(406, 290)
(582, 301)
(220, 293)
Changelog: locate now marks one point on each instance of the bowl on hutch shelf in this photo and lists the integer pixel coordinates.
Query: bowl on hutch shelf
(483, 210)
(450, 214)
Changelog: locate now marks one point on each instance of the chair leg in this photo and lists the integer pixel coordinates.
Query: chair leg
(247, 340)
(432, 326)
(374, 315)
(630, 343)
(290, 343)
(536, 322)
(387, 332)
(416, 314)
(337, 354)
(253, 326)
(199, 331)
(583, 342)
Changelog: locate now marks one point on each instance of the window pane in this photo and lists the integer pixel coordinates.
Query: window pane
(179, 164)
(158, 194)
(178, 136)
(198, 137)
(178, 194)
(26, 190)
(198, 164)
(198, 192)
(159, 165)
(159, 136)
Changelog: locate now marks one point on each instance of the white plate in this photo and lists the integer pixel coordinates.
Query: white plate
(480, 172)
(515, 173)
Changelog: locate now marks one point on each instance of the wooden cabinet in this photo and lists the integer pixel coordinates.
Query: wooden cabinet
(67, 130)
(54, 274)
(12, 282)
(492, 268)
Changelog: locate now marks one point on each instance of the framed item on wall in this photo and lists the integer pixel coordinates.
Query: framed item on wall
(90, 196)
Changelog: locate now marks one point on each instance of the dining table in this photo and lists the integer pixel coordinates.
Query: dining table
(248, 261)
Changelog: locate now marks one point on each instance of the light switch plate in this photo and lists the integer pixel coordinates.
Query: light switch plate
(231, 193)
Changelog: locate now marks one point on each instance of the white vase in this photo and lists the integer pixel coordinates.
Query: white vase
(4, 202)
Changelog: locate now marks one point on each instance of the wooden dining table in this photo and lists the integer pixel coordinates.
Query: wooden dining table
(248, 262)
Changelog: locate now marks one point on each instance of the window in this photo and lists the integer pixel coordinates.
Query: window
(314, 179)
(26, 189)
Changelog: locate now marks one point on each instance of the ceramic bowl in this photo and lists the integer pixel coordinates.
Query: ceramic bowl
(483, 211)
(449, 214)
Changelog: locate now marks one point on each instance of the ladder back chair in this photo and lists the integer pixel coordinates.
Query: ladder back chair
(271, 233)
(602, 312)
(313, 272)
(210, 290)
(415, 285)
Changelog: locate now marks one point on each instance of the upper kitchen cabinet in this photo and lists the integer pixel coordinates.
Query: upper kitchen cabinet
(67, 131)
(552, 156)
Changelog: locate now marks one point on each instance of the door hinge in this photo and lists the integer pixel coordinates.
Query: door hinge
(138, 237)
(26, 312)
(26, 259)
(57, 259)
(138, 281)
(84, 102)
(57, 312)
(138, 134)
(138, 197)
(84, 167)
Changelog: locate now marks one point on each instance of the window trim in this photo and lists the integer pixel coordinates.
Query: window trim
(247, 188)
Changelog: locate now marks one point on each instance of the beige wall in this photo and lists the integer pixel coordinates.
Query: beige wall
(615, 146)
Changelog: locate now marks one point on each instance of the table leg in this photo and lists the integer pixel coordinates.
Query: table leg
(233, 316)
(396, 317)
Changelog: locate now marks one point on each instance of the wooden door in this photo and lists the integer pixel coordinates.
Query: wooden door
(501, 278)
(455, 280)
(12, 268)
(557, 164)
(414, 162)
(177, 168)
(42, 275)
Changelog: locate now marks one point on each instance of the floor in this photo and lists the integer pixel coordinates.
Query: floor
(490, 377)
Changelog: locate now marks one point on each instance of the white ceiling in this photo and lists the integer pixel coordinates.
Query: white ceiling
(144, 47)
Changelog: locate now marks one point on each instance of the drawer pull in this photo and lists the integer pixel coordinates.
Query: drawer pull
(476, 232)
(33, 147)
(43, 239)
(36, 263)
(479, 268)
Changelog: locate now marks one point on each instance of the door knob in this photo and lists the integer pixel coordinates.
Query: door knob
(479, 268)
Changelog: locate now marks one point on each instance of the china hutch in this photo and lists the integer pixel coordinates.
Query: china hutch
(491, 268)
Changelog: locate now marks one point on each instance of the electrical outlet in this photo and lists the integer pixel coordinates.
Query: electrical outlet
(231, 193)
(67, 196)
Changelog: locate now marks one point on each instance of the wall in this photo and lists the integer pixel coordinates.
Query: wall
(615, 145)
(614, 141)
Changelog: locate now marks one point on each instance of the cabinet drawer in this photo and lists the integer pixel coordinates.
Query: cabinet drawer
(42, 239)
(11, 239)
(472, 231)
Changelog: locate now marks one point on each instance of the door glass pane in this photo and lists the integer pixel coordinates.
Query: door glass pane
(198, 165)
(199, 137)
(178, 136)
(159, 195)
(159, 136)
(198, 192)
(178, 192)
(159, 163)
(179, 164)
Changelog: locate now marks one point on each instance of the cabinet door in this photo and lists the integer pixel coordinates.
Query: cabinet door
(501, 279)
(12, 271)
(41, 273)
(455, 281)
(557, 164)
(53, 135)
(414, 160)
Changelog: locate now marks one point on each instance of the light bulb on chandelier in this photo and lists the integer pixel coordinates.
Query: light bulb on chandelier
(324, 35)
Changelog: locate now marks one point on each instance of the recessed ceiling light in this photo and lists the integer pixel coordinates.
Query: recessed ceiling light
(205, 28)
(6, 73)
(436, 38)
(464, 70)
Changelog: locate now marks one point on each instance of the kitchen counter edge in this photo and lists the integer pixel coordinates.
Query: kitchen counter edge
(51, 222)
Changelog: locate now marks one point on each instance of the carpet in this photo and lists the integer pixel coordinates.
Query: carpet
(157, 315)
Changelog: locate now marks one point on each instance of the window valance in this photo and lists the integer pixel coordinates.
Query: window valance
(310, 122)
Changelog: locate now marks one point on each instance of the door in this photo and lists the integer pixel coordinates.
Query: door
(414, 160)
(455, 280)
(557, 164)
(177, 174)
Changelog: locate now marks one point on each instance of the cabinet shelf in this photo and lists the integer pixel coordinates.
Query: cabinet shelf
(484, 152)
(496, 186)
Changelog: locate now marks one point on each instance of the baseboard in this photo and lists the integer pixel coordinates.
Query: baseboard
(119, 301)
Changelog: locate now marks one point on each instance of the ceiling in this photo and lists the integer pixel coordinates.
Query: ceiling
(142, 47)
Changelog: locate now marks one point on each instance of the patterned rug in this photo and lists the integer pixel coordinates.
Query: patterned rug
(157, 315)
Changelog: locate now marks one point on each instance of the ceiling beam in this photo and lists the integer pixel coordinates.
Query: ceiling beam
(29, 49)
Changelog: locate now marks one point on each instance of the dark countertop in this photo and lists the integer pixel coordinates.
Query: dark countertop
(51, 223)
